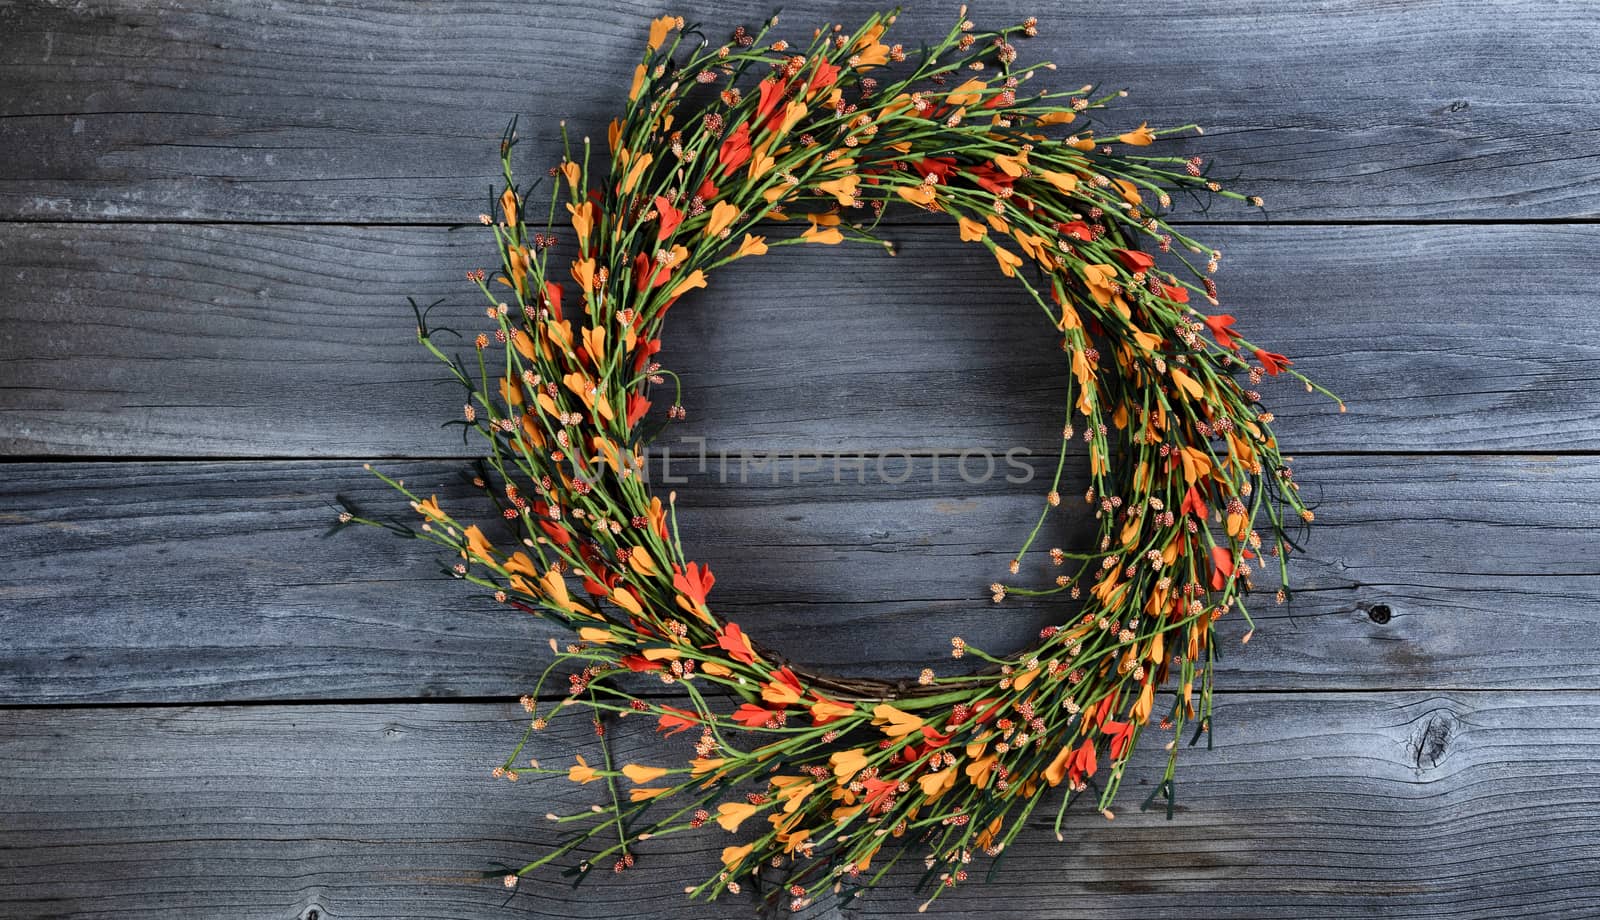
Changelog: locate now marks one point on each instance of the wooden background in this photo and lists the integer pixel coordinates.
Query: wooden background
(211, 212)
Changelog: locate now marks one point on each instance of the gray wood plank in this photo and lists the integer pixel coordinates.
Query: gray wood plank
(1411, 805)
(141, 340)
(179, 582)
(199, 110)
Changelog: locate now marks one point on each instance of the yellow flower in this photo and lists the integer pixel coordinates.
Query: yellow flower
(582, 772)
(732, 814)
(1139, 137)
(641, 775)
(722, 214)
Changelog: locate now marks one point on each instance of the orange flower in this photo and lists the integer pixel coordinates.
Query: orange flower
(582, 772)
(700, 766)
(659, 27)
(1139, 137)
(429, 509)
(818, 235)
(1062, 117)
(967, 93)
(640, 164)
(1187, 384)
(732, 856)
(583, 217)
(894, 723)
(508, 206)
(971, 230)
(843, 189)
(784, 688)
(478, 546)
(640, 775)
(695, 279)
(1064, 182)
(847, 764)
(732, 814)
(639, 795)
(1221, 567)
(1009, 261)
(752, 246)
(1101, 280)
(722, 214)
(920, 195)
(825, 710)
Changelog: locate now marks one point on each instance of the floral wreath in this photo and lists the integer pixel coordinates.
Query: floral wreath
(1186, 473)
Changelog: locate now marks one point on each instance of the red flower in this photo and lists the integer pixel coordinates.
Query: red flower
(694, 583)
(1271, 362)
(1192, 502)
(675, 720)
(1082, 764)
(879, 793)
(1121, 734)
(647, 347)
(707, 191)
(1176, 293)
(824, 77)
(735, 150)
(753, 715)
(1221, 327)
(1133, 260)
(1221, 567)
(990, 179)
(943, 167)
(771, 94)
(552, 299)
(732, 640)
(637, 407)
(1076, 230)
(639, 663)
(671, 217)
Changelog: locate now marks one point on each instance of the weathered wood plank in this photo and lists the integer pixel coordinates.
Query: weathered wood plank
(1477, 805)
(179, 582)
(296, 341)
(187, 109)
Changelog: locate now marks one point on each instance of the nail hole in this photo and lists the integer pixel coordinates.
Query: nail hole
(1379, 613)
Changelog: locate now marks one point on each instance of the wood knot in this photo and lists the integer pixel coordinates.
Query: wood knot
(1431, 745)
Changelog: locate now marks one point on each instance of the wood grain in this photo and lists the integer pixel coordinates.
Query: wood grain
(1475, 805)
(178, 582)
(390, 111)
(143, 340)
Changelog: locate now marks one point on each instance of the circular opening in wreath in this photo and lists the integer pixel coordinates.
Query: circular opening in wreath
(866, 451)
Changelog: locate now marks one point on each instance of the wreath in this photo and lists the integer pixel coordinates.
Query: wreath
(809, 776)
